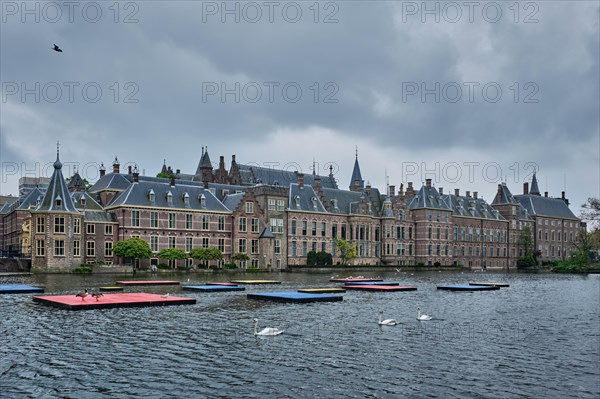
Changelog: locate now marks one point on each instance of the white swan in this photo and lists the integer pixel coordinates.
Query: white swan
(266, 330)
(386, 322)
(422, 317)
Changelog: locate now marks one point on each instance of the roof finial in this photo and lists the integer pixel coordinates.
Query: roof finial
(314, 173)
(202, 150)
(356, 151)
(57, 148)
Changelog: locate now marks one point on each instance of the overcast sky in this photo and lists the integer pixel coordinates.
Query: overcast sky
(468, 95)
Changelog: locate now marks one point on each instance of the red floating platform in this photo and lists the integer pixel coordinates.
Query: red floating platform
(354, 280)
(106, 301)
(380, 287)
(148, 282)
(221, 283)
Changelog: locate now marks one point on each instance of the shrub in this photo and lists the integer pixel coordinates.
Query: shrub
(525, 262)
(229, 266)
(163, 266)
(83, 269)
(437, 264)
(420, 264)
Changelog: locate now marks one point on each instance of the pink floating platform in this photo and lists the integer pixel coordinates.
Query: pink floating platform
(148, 282)
(106, 301)
(354, 280)
(221, 283)
(365, 287)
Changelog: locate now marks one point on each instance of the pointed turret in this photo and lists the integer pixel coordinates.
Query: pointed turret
(534, 186)
(57, 197)
(164, 170)
(204, 172)
(76, 183)
(356, 182)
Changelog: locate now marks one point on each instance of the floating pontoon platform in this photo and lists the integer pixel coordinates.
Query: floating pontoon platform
(365, 287)
(468, 287)
(106, 301)
(19, 289)
(111, 288)
(373, 283)
(255, 282)
(492, 284)
(148, 282)
(221, 283)
(297, 297)
(354, 280)
(323, 290)
(213, 288)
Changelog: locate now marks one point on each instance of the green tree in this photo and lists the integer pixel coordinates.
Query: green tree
(206, 254)
(590, 211)
(240, 256)
(526, 243)
(172, 254)
(163, 175)
(346, 250)
(132, 248)
(583, 247)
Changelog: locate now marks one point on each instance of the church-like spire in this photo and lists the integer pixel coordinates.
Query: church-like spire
(535, 190)
(57, 197)
(356, 182)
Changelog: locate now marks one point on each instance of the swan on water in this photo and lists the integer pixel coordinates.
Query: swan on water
(422, 317)
(386, 322)
(266, 330)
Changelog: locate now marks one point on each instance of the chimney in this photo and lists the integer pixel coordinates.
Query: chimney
(468, 194)
(525, 188)
(300, 177)
(564, 198)
(392, 191)
(233, 159)
(368, 189)
(475, 194)
(172, 179)
(546, 194)
(103, 171)
(318, 185)
(562, 195)
(410, 192)
(441, 190)
(116, 166)
(129, 170)
(457, 191)
(428, 182)
(135, 175)
(178, 171)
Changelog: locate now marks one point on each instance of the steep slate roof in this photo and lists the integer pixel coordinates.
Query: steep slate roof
(302, 199)
(204, 162)
(231, 201)
(90, 202)
(428, 197)
(545, 206)
(252, 175)
(30, 199)
(266, 233)
(138, 195)
(111, 181)
(356, 174)
(504, 196)
(76, 183)
(471, 207)
(57, 189)
(534, 186)
(99, 217)
(347, 201)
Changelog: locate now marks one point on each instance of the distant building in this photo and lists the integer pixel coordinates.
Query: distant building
(277, 217)
(26, 184)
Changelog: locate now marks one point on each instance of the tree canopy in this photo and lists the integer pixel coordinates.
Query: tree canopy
(346, 250)
(172, 254)
(134, 248)
(590, 211)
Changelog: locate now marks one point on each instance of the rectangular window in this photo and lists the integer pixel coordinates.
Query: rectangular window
(242, 245)
(334, 230)
(108, 229)
(249, 207)
(221, 244)
(271, 205)
(205, 242)
(205, 222)
(154, 243)
(314, 228)
(91, 228)
(323, 229)
(304, 227)
(59, 248)
(343, 232)
(294, 248)
(323, 247)
(59, 225)
(254, 225)
(276, 225)
(172, 241)
(254, 246)
(242, 224)
(76, 248)
(40, 248)
(108, 245)
(188, 244)
(135, 218)
(277, 246)
(304, 248)
(410, 233)
(293, 228)
(172, 220)
(76, 226)
(221, 223)
(154, 219)
(280, 205)
(189, 221)
(40, 227)
(91, 249)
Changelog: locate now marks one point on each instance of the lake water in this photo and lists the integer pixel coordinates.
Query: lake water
(539, 338)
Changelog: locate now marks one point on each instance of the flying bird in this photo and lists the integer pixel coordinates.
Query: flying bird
(57, 49)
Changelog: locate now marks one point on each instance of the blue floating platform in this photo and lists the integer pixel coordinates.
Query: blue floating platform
(468, 287)
(373, 283)
(19, 289)
(295, 297)
(213, 288)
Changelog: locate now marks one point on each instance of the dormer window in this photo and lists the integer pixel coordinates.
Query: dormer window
(151, 195)
(369, 207)
(335, 203)
(401, 215)
(186, 199)
(314, 201)
(297, 200)
(202, 200)
(82, 201)
(58, 201)
(169, 198)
